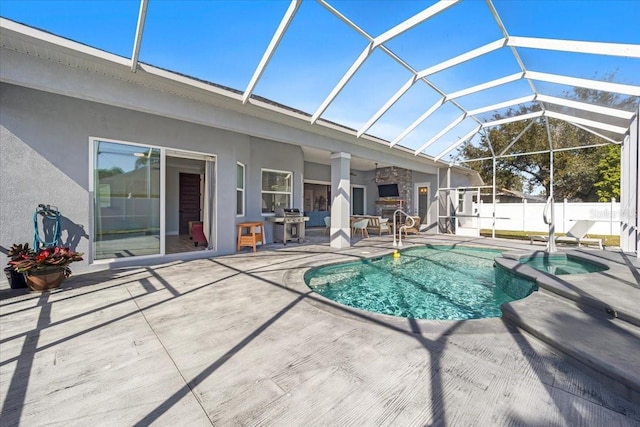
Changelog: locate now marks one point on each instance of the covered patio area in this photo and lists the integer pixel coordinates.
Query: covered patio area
(241, 340)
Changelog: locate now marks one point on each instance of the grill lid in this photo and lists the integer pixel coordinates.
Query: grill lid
(280, 212)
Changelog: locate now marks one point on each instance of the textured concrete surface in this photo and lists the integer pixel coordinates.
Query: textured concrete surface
(239, 340)
(593, 318)
(607, 345)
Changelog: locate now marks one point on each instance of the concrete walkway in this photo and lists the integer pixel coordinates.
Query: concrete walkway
(238, 340)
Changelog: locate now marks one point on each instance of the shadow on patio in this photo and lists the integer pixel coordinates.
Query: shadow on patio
(230, 336)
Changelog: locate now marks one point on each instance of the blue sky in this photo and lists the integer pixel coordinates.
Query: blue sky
(223, 41)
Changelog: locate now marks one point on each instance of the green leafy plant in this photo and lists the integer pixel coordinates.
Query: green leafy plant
(25, 260)
(17, 251)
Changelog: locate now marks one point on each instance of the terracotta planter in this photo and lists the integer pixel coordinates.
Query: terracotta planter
(42, 280)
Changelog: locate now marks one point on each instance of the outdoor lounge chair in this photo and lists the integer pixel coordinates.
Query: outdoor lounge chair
(412, 229)
(378, 225)
(576, 234)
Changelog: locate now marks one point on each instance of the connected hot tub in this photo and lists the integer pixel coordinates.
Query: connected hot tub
(560, 264)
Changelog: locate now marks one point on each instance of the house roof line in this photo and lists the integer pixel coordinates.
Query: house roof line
(14, 33)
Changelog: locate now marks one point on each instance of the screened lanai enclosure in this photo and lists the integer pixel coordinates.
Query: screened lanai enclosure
(431, 77)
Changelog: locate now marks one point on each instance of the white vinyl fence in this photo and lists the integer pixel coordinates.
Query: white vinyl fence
(527, 216)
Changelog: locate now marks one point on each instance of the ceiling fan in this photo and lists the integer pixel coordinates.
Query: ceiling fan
(375, 174)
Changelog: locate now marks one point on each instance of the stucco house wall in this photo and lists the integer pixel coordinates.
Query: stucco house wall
(56, 94)
(45, 159)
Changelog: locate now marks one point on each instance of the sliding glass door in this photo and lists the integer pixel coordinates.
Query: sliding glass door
(126, 200)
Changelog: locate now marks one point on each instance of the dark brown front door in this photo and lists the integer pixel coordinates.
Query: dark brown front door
(189, 200)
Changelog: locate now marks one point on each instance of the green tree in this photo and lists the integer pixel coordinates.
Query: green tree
(586, 174)
(575, 171)
(608, 185)
(105, 173)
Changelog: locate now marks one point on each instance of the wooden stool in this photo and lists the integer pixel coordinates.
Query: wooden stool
(254, 234)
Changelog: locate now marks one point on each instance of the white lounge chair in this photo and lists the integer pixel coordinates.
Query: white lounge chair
(576, 234)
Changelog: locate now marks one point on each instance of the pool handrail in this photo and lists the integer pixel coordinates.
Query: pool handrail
(404, 226)
(551, 221)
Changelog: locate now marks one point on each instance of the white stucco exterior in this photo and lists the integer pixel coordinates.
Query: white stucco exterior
(55, 96)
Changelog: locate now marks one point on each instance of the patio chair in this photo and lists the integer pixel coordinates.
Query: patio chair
(361, 225)
(327, 224)
(379, 225)
(415, 229)
(576, 234)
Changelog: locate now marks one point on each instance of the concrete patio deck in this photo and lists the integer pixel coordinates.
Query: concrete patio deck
(238, 340)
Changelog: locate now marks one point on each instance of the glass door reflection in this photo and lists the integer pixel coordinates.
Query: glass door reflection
(127, 200)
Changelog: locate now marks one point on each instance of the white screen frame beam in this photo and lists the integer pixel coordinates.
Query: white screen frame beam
(271, 49)
(576, 46)
(137, 41)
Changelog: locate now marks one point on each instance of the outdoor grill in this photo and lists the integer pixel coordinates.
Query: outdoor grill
(289, 224)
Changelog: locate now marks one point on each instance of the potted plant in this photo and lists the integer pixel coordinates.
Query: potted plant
(16, 280)
(46, 268)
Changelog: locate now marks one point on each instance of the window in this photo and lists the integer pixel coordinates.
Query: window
(276, 190)
(317, 197)
(461, 194)
(240, 189)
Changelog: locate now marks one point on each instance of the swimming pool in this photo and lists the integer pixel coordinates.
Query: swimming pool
(561, 264)
(427, 282)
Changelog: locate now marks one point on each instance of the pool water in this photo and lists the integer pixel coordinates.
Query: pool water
(559, 265)
(430, 282)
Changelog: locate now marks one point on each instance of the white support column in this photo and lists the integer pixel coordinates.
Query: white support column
(613, 202)
(341, 200)
(438, 201)
(449, 202)
(565, 215)
(493, 199)
(477, 212)
(629, 188)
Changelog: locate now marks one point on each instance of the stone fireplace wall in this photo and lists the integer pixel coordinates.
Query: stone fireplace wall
(404, 179)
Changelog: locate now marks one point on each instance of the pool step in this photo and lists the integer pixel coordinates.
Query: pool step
(609, 348)
(603, 304)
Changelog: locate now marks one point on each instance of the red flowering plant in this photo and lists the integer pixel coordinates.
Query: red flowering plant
(24, 259)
